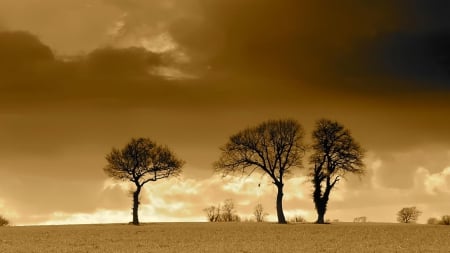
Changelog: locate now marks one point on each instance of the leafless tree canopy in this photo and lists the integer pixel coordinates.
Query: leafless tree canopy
(259, 213)
(3, 221)
(334, 153)
(140, 162)
(408, 215)
(273, 147)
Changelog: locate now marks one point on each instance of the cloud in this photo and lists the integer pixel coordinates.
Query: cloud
(371, 197)
(437, 182)
(69, 26)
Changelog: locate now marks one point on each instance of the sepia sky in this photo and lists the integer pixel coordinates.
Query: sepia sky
(79, 77)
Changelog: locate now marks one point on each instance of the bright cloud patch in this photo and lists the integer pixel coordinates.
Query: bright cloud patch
(437, 182)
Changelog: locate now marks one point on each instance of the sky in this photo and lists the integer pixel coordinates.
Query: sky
(79, 77)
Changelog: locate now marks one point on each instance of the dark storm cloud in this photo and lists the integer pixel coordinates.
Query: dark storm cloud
(346, 44)
(31, 74)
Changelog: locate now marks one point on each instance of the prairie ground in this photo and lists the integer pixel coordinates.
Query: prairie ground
(227, 237)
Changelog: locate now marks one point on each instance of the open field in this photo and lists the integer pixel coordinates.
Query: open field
(227, 237)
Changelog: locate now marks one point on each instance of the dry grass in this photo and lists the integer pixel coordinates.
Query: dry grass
(227, 237)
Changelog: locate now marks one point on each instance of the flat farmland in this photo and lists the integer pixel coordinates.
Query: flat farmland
(227, 237)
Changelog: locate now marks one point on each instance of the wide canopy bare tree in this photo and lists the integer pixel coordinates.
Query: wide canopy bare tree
(273, 147)
(334, 153)
(408, 215)
(142, 161)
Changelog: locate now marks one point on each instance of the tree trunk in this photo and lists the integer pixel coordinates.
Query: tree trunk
(321, 208)
(317, 197)
(321, 202)
(280, 214)
(136, 205)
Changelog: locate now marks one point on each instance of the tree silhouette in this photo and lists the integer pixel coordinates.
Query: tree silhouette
(141, 161)
(334, 153)
(433, 221)
(228, 210)
(445, 220)
(3, 221)
(408, 215)
(212, 213)
(222, 213)
(259, 213)
(272, 147)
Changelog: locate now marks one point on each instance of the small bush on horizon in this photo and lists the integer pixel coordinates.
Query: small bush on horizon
(433, 221)
(297, 219)
(445, 220)
(3, 221)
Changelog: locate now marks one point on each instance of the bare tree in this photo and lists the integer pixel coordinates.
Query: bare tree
(433, 221)
(142, 161)
(272, 147)
(259, 213)
(212, 213)
(228, 211)
(408, 215)
(334, 153)
(445, 220)
(222, 213)
(360, 219)
(3, 221)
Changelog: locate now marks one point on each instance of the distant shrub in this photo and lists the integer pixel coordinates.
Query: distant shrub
(433, 221)
(224, 213)
(3, 221)
(360, 219)
(297, 219)
(445, 220)
(259, 213)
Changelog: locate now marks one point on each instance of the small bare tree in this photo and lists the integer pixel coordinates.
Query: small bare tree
(259, 213)
(445, 220)
(142, 161)
(360, 219)
(408, 215)
(222, 213)
(212, 213)
(433, 221)
(273, 147)
(228, 211)
(3, 221)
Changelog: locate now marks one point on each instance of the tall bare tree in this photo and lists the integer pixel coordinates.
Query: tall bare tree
(334, 153)
(141, 161)
(408, 215)
(273, 147)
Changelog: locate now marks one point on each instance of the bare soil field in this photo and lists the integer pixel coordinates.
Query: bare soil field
(227, 237)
